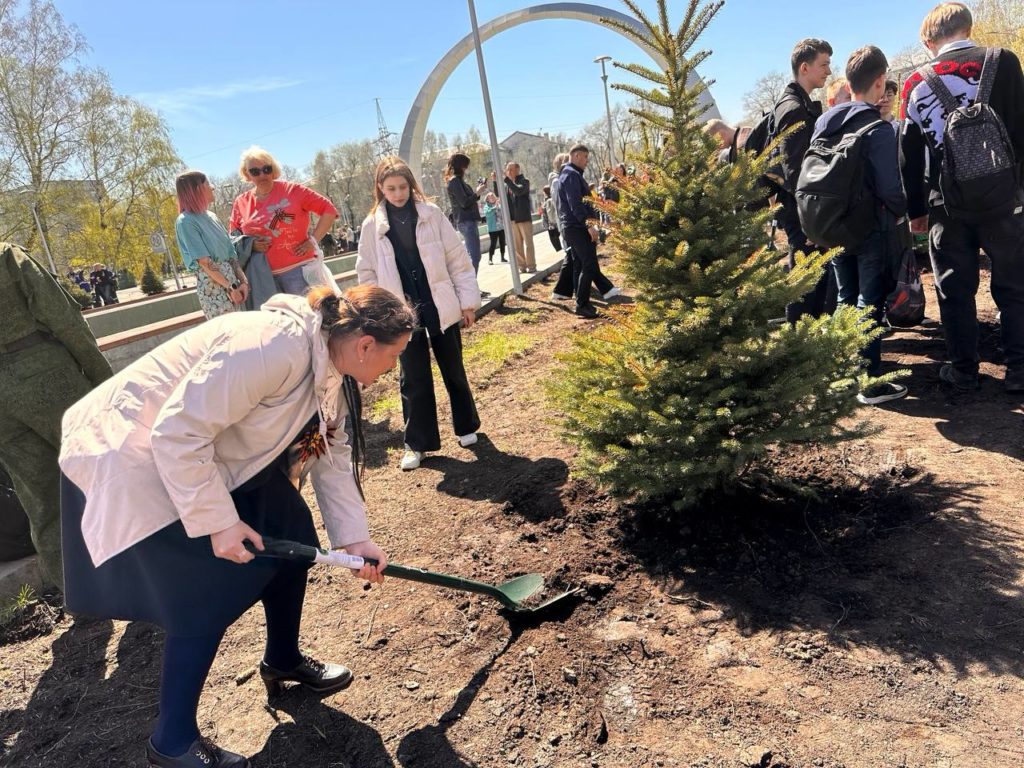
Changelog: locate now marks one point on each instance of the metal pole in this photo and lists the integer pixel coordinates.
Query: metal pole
(517, 286)
(42, 237)
(608, 110)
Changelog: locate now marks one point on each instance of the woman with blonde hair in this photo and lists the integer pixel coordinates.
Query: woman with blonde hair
(408, 246)
(206, 248)
(175, 469)
(278, 212)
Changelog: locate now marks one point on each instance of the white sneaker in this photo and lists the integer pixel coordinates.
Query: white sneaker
(467, 440)
(559, 297)
(411, 459)
(615, 291)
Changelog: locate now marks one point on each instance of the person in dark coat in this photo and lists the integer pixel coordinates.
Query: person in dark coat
(48, 360)
(811, 64)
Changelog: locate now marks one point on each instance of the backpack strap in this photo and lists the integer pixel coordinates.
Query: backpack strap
(988, 75)
(859, 133)
(949, 103)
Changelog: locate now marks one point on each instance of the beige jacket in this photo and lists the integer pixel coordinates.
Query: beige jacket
(170, 436)
(450, 273)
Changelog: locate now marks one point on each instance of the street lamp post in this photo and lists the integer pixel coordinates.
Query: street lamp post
(517, 286)
(607, 108)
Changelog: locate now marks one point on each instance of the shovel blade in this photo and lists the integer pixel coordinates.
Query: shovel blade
(519, 589)
(546, 604)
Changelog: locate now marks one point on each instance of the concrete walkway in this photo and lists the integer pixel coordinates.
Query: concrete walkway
(497, 279)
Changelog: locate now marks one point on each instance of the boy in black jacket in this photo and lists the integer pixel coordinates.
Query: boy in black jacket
(811, 64)
(863, 270)
(955, 244)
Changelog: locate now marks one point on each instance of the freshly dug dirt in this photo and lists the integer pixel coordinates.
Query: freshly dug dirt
(876, 623)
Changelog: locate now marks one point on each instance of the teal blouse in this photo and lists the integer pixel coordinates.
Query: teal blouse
(202, 234)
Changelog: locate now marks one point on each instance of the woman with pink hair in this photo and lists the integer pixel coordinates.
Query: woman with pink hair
(206, 248)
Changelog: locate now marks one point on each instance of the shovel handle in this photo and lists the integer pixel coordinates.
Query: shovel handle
(303, 553)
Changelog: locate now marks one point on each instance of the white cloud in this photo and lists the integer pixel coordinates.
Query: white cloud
(182, 102)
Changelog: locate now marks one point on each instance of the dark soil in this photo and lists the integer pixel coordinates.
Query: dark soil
(875, 622)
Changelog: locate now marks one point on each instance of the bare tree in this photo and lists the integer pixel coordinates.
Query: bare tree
(763, 96)
(40, 86)
(999, 23)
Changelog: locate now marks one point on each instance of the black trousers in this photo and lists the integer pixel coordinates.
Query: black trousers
(419, 407)
(569, 277)
(954, 247)
(586, 270)
(823, 297)
(556, 241)
(497, 239)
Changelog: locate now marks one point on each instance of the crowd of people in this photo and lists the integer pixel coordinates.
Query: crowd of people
(950, 166)
(170, 472)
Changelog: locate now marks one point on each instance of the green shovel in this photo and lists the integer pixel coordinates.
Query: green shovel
(510, 594)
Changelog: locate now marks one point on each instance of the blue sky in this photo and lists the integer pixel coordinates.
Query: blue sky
(300, 75)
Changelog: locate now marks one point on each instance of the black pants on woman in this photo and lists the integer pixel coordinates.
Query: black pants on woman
(419, 407)
(497, 240)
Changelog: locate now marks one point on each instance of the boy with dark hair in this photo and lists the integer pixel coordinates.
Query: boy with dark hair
(575, 213)
(955, 239)
(888, 104)
(811, 64)
(862, 269)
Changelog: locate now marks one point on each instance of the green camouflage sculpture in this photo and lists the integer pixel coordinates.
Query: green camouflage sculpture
(48, 360)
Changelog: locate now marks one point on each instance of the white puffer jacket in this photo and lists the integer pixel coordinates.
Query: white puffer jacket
(450, 273)
(171, 435)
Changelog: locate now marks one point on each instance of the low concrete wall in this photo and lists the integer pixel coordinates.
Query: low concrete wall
(137, 314)
(127, 331)
(122, 349)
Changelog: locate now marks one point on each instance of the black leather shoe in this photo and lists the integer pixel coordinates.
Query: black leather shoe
(202, 754)
(314, 675)
(587, 312)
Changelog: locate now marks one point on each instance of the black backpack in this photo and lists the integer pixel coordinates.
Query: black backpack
(978, 177)
(760, 137)
(834, 206)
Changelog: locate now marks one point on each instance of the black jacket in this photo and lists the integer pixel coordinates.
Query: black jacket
(882, 173)
(518, 193)
(463, 200)
(960, 69)
(795, 108)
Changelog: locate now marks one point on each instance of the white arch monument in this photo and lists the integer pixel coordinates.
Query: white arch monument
(411, 147)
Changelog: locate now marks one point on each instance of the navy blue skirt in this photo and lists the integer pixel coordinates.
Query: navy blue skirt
(175, 581)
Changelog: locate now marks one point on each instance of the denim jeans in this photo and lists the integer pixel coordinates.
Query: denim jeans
(471, 234)
(292, 281)
(864, 276)
(954, 247)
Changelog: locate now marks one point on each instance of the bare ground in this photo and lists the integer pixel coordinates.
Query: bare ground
(876, 625)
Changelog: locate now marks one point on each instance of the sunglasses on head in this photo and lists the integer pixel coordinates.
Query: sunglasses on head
(266, 170)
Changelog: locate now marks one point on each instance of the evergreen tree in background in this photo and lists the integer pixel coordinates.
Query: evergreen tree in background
(151, 283)
(680, 394)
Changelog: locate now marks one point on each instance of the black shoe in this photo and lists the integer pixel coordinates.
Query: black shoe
(881, 393)
(587, 312)
(1014, 381)
(963, 382)
(504, 260)
(314, 675)
(202, 754)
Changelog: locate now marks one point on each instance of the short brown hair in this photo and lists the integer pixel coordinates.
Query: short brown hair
(864, 66)
(947, 20)
(578, 148)
(806, 51)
